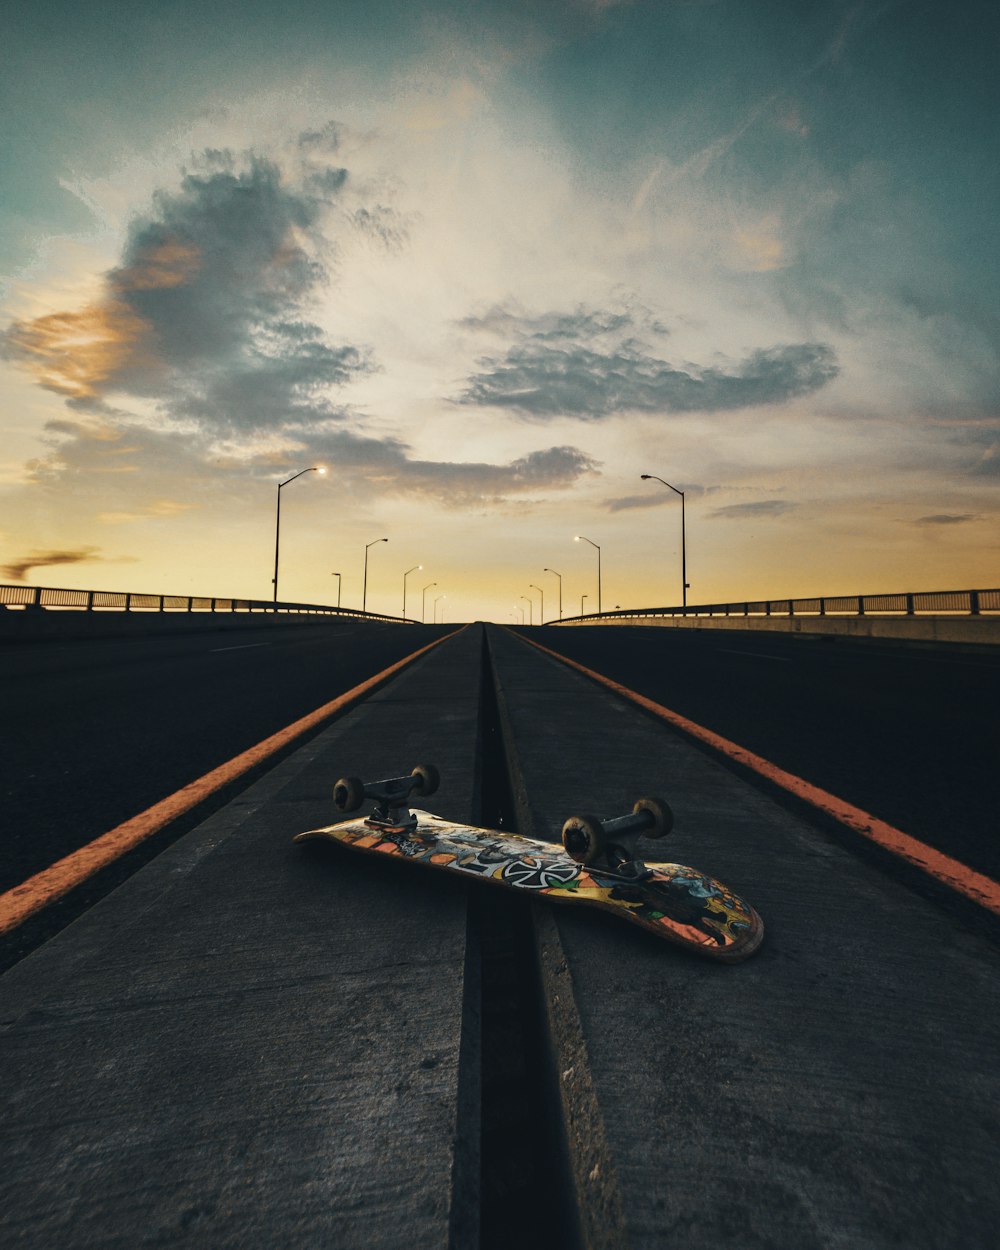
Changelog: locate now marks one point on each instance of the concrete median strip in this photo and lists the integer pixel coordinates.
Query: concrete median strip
(950, 872)
(52, 883)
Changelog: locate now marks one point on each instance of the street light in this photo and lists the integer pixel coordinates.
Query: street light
(338, 577)
(684, 577)
(521, 610)
(435, 612)
(582, 597)
(531, 608)
(580, 538)
(423, 601)
(315, 468)
(364, 584)
(541, 614)
(405, 576)
(559, 575)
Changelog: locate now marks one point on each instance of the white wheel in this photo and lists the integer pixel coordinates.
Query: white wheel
(583, 838)
(663, 817)
(428, 779)
(348, 794)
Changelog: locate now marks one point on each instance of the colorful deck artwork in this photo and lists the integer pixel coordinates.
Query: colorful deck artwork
(676, 902)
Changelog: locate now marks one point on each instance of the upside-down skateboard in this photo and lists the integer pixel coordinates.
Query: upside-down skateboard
(597, 865)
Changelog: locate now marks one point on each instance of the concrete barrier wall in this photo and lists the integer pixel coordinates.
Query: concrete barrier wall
(984, 630)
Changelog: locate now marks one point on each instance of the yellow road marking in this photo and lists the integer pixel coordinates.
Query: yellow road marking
(23, 900)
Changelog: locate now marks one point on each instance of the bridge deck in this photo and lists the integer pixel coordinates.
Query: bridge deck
(247, 1044)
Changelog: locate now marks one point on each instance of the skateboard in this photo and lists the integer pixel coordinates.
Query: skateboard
(597, 865)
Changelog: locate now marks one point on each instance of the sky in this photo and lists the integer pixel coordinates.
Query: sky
(487, 264)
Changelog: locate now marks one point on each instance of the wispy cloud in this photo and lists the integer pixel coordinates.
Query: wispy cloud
(751, 511)
(947, 518)
(590, 365)
(17, 569)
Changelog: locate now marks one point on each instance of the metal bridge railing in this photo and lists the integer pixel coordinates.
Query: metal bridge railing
(29, 597)
(962, 602)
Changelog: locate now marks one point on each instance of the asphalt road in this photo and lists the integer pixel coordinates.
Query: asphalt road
(97, 731)
(911, 735)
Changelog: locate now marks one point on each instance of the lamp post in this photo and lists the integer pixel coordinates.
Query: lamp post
(580, 538)
(559, 575)
(423, 601)
(531, 608)
(541, 612)
(405, 576)
(684, 577)
(364, 584)
(435, 612)
(521, 610)
(582, 597)
(338, 577)
(315, 468)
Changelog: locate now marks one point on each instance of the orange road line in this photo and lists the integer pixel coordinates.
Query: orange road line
(45, 887)
(951, 872)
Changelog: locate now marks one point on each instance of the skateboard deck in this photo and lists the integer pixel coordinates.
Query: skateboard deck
(672, 901)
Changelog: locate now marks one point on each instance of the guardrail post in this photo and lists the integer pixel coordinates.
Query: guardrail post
(190, 606)
(822, 607)
(90, 601)
(974, 602)
(791, 607)
(160, 608)
(767, 608)
(861, 605)
(213, 605)
(128, 601)
(909, 605)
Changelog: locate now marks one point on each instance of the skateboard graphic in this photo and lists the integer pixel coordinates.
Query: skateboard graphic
(597, 864)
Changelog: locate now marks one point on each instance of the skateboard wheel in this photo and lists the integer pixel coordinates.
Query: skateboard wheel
(663, 817)
(349, 794)
(428, 779)
(583, 838)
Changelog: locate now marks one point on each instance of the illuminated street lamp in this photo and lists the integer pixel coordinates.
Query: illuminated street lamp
(580, 538)
(684, 577)
(541, 613)
(531, 608)
(559, 575)
(364, 584)
(423, 601)
(316, 468)
(405, 576)
(338, 577)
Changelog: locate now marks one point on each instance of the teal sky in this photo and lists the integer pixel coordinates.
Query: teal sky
(490, 262)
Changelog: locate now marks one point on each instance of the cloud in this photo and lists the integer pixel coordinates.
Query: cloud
(159, 509)
(590, 365)
(17, 569)
(207, 325)
(537, 380)
(744, 511)
(946, 518)
(206, 313)
(627, 502)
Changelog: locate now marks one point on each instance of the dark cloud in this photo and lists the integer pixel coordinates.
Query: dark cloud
(585, 322)
(649, 500)
(17, 569)
(207, 312)
(947, 518)
(539, 380)
(751, 511)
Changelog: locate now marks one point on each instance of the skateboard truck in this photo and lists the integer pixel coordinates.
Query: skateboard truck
(611, 844)
(392, 810)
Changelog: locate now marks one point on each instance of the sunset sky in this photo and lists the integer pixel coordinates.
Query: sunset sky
(490, 262)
